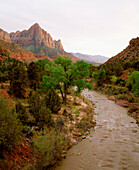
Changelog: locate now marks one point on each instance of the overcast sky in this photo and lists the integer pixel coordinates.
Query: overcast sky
(102, 27)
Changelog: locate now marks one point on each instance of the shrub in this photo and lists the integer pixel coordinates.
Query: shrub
(113, 79)
(59, 124)
(133, 80)
(85, 123)
(121, 96)
(120, 81)
(65, 112)
(22, 114)
(2, 86)
(10, 127)
(52, 101)
(34, 104)
(99, 77)
(44, 117)
(48, 148)
(40, 111)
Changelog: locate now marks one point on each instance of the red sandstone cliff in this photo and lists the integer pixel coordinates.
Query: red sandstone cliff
(37, 41)
(5, 36)
(35, 36)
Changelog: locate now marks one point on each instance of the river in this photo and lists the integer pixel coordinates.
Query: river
(112, 145)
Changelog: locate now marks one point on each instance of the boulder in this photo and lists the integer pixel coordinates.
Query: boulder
(133, 107)
(111, 98)
(123, 103)
(83, 137)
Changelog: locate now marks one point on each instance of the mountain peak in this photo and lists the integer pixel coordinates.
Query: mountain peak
(36, 25)
(35, 36)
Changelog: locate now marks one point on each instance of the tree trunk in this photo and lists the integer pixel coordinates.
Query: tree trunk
(61, 94)
(65, 93)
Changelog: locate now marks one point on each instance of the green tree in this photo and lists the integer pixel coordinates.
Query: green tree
(133, 81)
(99, 77)
(33, 75)
(18, 81)
(65, 74)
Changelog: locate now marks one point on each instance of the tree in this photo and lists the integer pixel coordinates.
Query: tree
(133, 82)
(33, 75)
(65, 74)
(18, 81)
(99, 77)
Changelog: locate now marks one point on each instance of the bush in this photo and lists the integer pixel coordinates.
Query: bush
(48, 148)
(44, 117)
(113, 79)
(114, 90)
(85, 123)
(120, 81)
(40, 111)
(133, 80)
(22, 114)
(34, 104)
(10, 127)
(99, 77)
(52, 101)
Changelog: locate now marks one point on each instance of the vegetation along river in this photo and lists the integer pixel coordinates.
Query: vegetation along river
(112, 145)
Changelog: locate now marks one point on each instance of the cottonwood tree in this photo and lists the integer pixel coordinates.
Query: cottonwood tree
(65, 74)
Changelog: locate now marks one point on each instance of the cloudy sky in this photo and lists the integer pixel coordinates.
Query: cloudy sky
(102, 27)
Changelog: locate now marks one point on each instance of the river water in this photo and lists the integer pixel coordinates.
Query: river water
(112, 145)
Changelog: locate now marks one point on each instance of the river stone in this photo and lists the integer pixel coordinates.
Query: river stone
(111, 98)
(83, 137)
(123, 103)
(133, 107)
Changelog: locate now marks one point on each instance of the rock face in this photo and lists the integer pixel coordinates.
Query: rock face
(35, 36)
(131, 53)
(5, 36)
(37, 41)
(58, 45)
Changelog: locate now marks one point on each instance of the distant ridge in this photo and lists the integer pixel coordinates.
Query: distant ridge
(96, 59)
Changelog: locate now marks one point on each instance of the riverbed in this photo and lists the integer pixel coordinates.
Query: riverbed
(112, 145)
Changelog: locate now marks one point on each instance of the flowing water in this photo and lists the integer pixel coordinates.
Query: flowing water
(112, 145)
